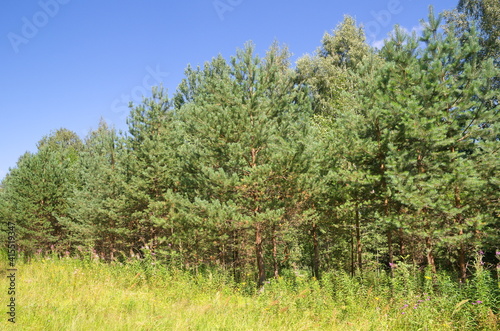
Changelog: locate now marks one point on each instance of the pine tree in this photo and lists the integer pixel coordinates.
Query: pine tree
(150, 169)
(37, 193)
(437, 94)
(244, 124)
(98, 192)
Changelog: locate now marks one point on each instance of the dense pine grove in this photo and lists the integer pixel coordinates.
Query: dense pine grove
(355, 159)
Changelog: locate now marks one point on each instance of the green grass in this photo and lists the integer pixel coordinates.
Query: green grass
(71, 294)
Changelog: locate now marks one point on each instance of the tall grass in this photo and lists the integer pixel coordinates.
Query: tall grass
(76, 294)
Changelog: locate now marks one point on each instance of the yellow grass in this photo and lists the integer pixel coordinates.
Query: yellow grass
(70, 294)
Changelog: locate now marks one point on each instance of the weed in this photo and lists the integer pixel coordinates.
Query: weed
(75, 294)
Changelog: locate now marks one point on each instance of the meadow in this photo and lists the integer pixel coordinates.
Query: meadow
(83, 294)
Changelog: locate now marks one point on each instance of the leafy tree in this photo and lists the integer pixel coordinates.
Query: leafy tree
(342, 65)
(330, 72)
(354, 158)
(486, 14)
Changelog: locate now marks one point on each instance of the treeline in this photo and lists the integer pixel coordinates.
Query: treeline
(354, 159)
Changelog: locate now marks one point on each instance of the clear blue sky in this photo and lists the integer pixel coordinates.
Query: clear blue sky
(67, 63)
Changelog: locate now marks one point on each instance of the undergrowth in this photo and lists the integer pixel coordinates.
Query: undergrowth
(84, 294)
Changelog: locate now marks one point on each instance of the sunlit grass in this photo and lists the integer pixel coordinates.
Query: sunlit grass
(71, 294)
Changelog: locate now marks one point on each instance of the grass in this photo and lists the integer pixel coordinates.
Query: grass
(72, 294)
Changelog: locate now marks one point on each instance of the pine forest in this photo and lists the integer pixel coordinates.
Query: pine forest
(356, 161)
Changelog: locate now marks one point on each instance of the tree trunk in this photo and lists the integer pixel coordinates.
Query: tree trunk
(275, 255)
(259, 251)
(402, 247)
(359, 251)
(430, 256)
(353, 261)
(259, 255)
(315, 251)
(462, 266)
(461, 250)
(235, 263)
(390, 251)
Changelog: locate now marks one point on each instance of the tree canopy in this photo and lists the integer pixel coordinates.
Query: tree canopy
(355, 159)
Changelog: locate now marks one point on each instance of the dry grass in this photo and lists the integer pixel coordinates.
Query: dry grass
(71, 294)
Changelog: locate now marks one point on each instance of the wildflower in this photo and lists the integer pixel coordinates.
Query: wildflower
(480, 253)
(428, 277)
(497, 253)
(479, 301)
(377, 298)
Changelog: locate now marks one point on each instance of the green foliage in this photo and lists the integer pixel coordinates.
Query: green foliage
(360, 161)
(332, 71)
(486, 16)
(244, 125)
(37, 192)
(95, 204)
